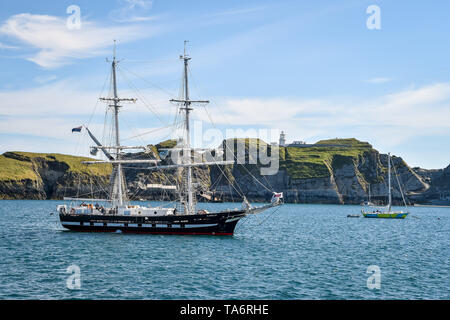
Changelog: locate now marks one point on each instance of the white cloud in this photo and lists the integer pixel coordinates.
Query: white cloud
(389, 120)
(45, 79)
(133, 11)
(57, 98)
(7, 47)
(138, 19)
(51, 110)
(238, 11)
(378, 80)
(57, 45)
(140, 4)
(68, 97)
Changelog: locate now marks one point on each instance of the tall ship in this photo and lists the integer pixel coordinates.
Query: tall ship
(116, 213)
(371, 211)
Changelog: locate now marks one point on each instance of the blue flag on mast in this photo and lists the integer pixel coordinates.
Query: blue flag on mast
(77, 129)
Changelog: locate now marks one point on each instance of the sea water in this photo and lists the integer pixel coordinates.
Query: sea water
(295, 251)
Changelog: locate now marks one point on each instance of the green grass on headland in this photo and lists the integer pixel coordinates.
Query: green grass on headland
(11, 169)
(20, 165)
(318, 161)
(315, 161)
(167, 144)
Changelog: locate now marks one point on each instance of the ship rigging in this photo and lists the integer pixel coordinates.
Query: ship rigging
(183, 218)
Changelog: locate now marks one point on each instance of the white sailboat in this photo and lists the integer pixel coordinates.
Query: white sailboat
(386, 212)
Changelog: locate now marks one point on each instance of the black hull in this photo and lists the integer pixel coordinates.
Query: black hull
(222, 223)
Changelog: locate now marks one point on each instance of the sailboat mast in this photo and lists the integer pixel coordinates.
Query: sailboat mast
(389, 182)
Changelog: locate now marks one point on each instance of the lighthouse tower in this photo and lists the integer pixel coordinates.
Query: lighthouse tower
(282, 139)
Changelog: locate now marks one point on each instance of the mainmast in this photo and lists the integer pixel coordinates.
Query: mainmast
(188, 109)
(187, 195)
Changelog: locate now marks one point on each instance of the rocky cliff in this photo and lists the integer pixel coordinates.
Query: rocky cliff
(25, 175)
(438, 192)
(332, 171)
(340, 171)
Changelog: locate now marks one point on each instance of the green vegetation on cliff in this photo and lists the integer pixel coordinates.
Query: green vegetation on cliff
(351, 142)
(319, 160)
(25, 165)
(12, 170)
(167, 144)
(308, 162)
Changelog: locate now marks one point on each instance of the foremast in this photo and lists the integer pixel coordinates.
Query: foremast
(117, 179)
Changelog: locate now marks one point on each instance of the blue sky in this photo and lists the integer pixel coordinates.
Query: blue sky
(311, 68)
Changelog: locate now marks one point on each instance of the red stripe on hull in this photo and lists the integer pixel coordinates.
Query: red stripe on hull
(153, 232)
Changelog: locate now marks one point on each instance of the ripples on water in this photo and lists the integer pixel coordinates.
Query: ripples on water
(297, 252)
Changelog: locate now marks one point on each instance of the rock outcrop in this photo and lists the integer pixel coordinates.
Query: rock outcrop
(438, 192)
(25, 175)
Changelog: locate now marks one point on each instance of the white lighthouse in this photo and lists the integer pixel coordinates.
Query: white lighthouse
(282, 139)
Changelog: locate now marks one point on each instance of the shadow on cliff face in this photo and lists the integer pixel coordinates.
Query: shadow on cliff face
(50, 172)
